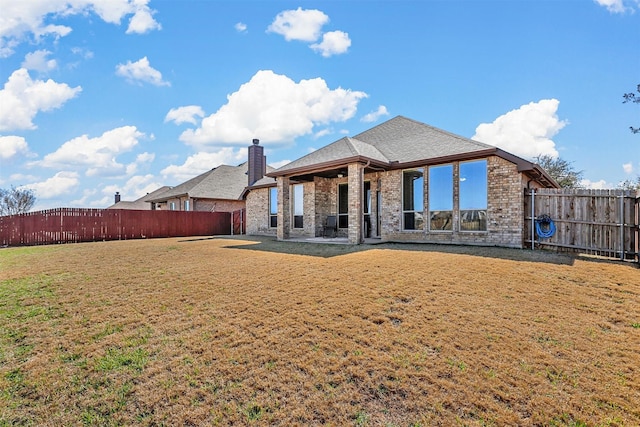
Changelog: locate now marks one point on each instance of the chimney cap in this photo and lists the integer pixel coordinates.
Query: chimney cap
(256, 141)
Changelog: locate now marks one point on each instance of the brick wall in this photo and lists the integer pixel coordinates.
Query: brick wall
(216, 205)
(504, 208)
(202, 205)
(505, 203)
(356, 180)
(391, 220)
(258, 213)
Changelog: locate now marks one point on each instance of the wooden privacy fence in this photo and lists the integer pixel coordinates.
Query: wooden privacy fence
(67, 225)
(599, 222)
(239, 222)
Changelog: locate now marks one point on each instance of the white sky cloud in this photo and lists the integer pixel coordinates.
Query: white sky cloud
(617, 6)
(61, 183)
(23, 20)
(525, 132)
(134, 188)
(596, 185)
(38, 61)
(323, 132)
(141, 72)
(627, 167)
(20, 177)
(96, 155)
(275, 109)
(141, 159)
(142, 20)
(306, 25)
(186, 114)
(203, 161)
(82, 52)
(84, 200)
(12, 145)
(333, 43)
(22, 98)
(299, 24)
(375, 115)
(240, 27)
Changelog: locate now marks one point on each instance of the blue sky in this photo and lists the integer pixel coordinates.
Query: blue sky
(99, 96)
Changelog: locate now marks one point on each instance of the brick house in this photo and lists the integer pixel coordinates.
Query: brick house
(401, 181)
(220, 189)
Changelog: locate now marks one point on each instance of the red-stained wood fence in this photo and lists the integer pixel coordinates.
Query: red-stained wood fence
(239, 221)
(66, 225)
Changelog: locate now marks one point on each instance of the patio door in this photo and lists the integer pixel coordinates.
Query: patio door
(366, 210)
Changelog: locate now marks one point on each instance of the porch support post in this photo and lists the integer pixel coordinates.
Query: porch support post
(356, 184)
(284, 208)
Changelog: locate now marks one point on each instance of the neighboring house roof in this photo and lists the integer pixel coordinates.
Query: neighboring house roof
(400, 143)
(223, 182)
(140, 204)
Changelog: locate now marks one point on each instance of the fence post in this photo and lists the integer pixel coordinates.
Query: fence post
(622, 227)
(533, 219)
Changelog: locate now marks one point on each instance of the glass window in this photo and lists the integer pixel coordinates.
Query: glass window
(298, 205)
(367, 197)
(273, 207)
(186, 205)
(413, 199)
(172, 206)
(343, 206)
(473, 196)
(441, 197)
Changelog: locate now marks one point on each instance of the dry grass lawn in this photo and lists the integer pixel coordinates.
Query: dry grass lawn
(189, 332)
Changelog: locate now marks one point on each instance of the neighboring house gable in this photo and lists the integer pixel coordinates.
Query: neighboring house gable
(140, 204)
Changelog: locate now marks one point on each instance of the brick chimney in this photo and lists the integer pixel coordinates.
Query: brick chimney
(257, 166)
(117, 198)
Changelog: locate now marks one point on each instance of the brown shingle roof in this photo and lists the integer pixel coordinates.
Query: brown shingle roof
(223, 182)
(402, 142)
(405, 140)
(397, 140)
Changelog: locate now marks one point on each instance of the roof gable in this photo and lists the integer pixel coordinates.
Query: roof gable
(400, 140)
(404, 140)
(344, 148)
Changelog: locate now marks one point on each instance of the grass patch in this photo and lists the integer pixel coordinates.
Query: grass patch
(241, 332)
(117, 358)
